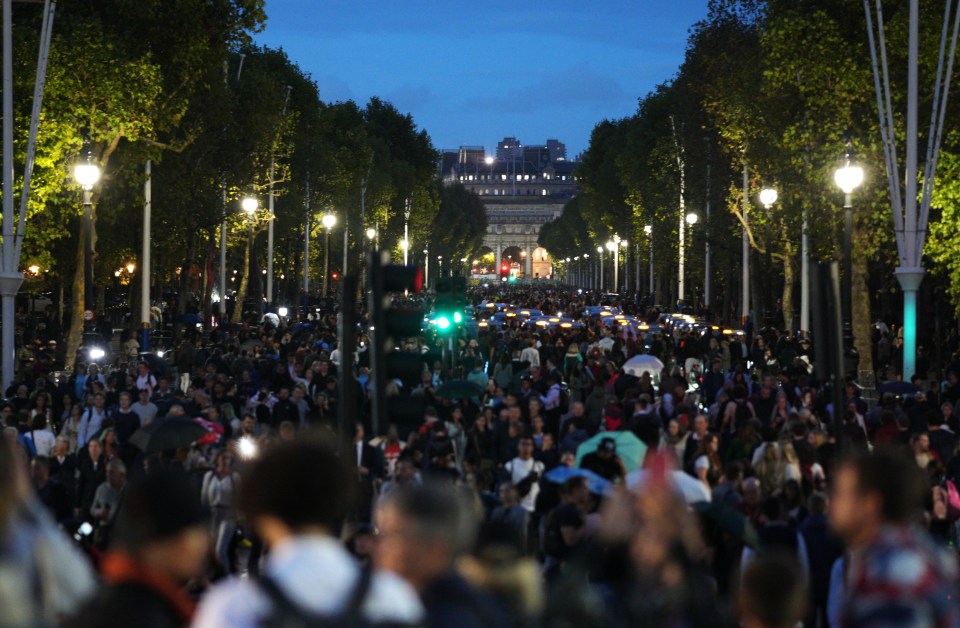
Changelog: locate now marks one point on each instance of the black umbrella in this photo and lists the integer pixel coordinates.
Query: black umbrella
(458, 389)
(164, 434)
(731, 521)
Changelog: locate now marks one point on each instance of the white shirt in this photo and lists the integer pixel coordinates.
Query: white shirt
(319, 575)
(43, 441)
(519, 469)
(530, 355)
(218, 492)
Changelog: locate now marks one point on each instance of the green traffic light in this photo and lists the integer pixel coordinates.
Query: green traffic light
(443, 323)
(457, 317)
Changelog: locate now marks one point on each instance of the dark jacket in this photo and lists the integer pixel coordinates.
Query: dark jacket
(451, 602)
(127, 604)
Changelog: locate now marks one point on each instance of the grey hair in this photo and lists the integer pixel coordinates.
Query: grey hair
(440, 512)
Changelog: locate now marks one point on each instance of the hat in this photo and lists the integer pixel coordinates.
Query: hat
(608, 445)
(158, 507)
(573, 349)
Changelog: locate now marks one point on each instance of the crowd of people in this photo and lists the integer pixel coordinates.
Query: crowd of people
(562, 490)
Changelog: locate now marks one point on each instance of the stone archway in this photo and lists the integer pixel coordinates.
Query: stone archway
(515, 257)
(541, 264)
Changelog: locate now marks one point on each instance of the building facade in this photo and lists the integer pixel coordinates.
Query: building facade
(522, 188)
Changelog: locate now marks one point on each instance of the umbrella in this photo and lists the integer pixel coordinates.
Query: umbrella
(458, 389)
(692, 489)
(196, 319)
(166, 434)
(596, 484)
(644, 363)
(630, 448)
(731, 520)
(271, 318)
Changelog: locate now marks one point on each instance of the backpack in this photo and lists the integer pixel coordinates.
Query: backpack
(285, 613)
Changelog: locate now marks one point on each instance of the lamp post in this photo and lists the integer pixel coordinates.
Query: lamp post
(584, 268)
(600, 277)
(648, 229)
(406, 229)
(626, 264)
(613, 248)
(87, 173)
(328, 221)
(690, 219)
(768, 196)
(848, 177)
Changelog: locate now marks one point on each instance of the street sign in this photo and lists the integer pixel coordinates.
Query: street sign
(88, 315)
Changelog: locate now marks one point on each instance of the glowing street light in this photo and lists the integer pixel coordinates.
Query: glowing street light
(328, 221)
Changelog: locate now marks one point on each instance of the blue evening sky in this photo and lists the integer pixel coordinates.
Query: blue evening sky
(472, 73)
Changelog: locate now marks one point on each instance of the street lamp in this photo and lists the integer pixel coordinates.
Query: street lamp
(768, 196)
(600, 276)
(250, 205)
(690, 219)
(328, 221)
(848, 177)
(371, 233)
(406, 229)
(87, 173)
(648, 229)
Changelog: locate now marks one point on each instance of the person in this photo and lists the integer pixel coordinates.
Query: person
(107, 497)
(525, 473)
(92, 474)
(43, 575)
(308, 572)
(772, 593)
(217, 494)
(509, 513)
(49, 491)
(565, 525)
(604, 461)
(92, 420)
(895, 575)
(160, 542)
(424, 530)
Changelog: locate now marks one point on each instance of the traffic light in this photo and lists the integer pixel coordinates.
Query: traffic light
(392, 323)
(449, 302)
(504, 271)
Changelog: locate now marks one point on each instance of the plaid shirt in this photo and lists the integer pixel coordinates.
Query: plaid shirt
(902, 579)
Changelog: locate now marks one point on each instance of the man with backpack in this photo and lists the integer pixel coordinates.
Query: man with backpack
(296, 496)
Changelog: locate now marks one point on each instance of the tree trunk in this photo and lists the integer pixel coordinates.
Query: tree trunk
(787, 297)
(75, 334)
(860, 311)
(244, 279)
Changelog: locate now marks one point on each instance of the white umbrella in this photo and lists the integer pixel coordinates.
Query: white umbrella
(692, 489)
(643, 363)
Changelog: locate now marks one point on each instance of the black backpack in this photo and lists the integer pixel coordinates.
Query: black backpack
(285, 613)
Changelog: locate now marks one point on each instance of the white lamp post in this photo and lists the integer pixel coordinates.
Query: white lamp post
(690, 219)
(600, 276)
(328, 221)
(613, 248)
(648, 229)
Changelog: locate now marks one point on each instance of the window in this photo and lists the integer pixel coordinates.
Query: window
(544, 192)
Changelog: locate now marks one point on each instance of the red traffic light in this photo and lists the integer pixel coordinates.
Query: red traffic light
(335, 276)
(505, 269)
